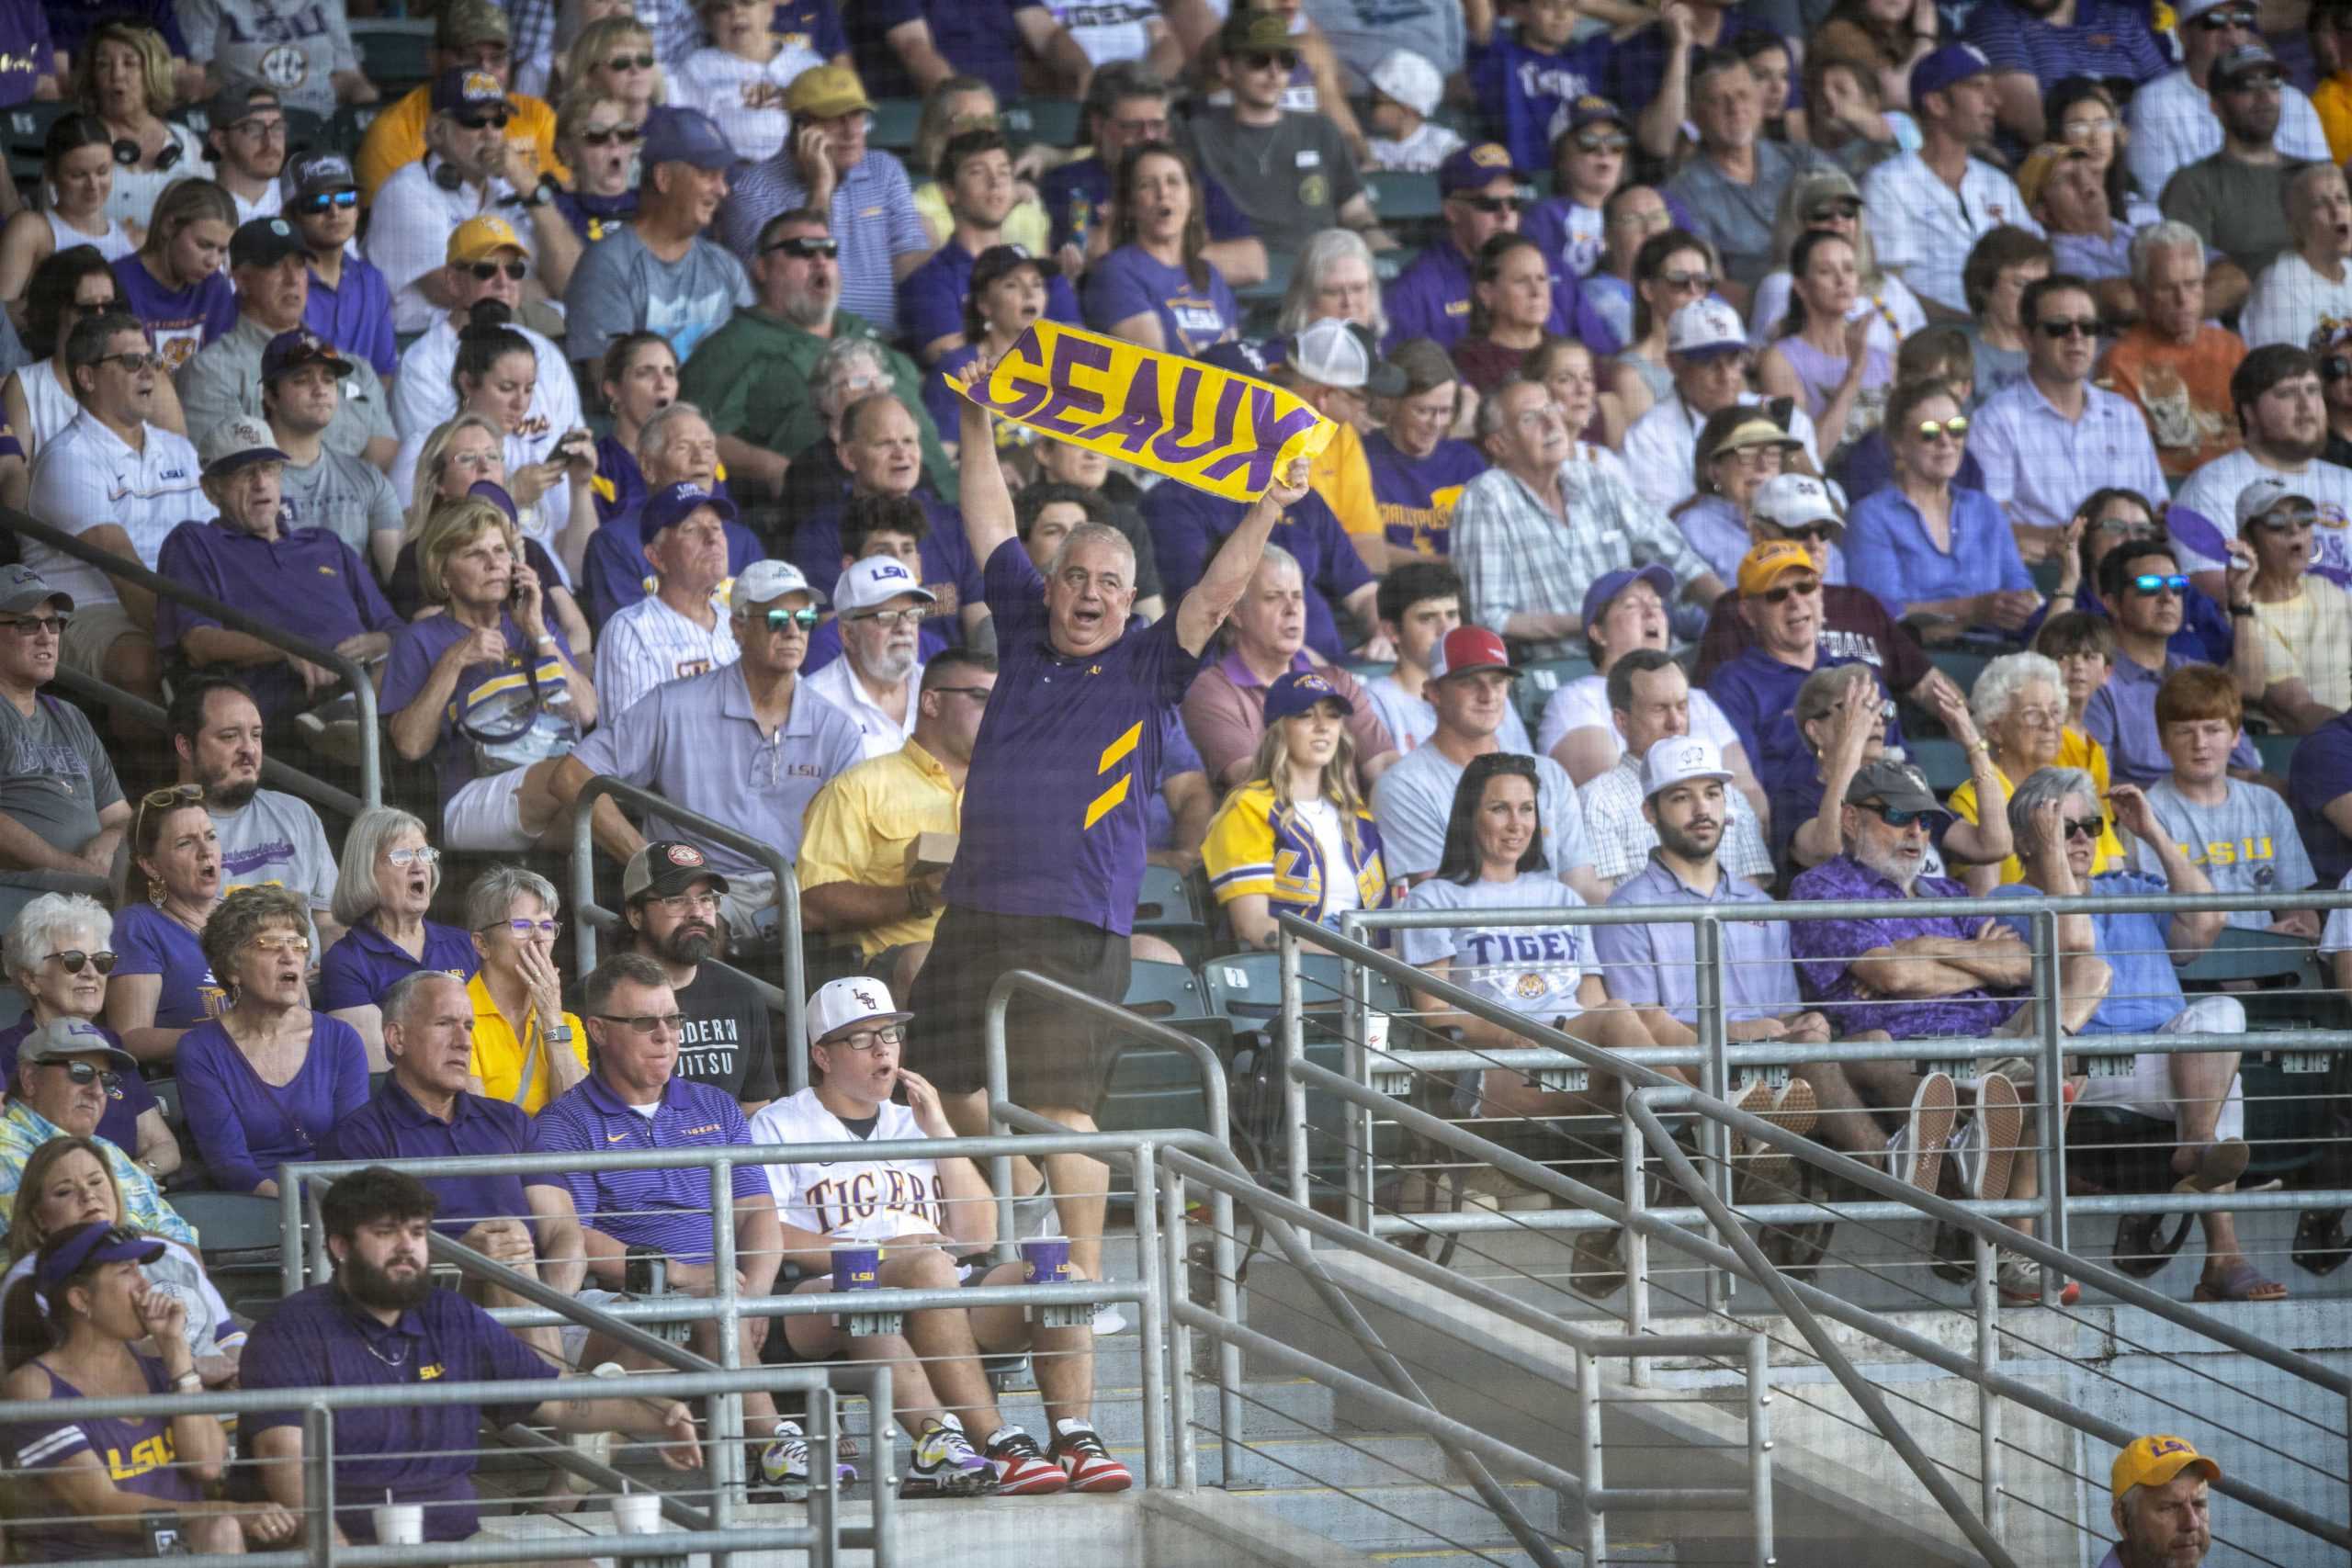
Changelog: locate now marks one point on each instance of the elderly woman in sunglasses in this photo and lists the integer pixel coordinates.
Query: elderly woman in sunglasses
(57, 954)
(382, 892)
(265, 1081)
(163, 984)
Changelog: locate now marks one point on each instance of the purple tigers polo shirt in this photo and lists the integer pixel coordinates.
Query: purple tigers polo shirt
(668, 1209)
(364, 964)
(392, 1125)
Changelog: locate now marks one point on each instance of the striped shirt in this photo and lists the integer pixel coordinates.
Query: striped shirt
(2039, 465)
(1923, 227)
(874, 218)
(90, 475)
(647, 643)
(669, 1209)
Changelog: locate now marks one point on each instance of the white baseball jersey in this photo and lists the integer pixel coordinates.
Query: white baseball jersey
(855, 1201)
(647, 643)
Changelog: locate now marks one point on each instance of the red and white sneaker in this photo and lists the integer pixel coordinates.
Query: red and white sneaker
(1020, 1469)
(1087, 1462)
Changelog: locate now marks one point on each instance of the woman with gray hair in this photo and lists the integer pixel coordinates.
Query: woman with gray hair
(1334, 277)
(382, 892)
(56, 954)
(264, 1082)
(527, 1050)
(2019, 703)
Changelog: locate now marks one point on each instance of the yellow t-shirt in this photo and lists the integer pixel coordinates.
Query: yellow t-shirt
(2076, 749)
(1342, 477)
(499, 1057)
(860, 827)
(395, 138)
(1025, 225)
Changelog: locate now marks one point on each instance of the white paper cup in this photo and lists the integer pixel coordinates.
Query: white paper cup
(399, 1524)
(637, 1513)
(1376, 1030)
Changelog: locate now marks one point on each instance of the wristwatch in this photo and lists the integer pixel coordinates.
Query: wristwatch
(644, 1270)
(2241, 609)
(560, 1035)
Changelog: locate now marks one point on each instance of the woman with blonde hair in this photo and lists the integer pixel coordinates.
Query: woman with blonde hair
(616, 55)
(1297, 837)
(1827, 199)
(124, 76)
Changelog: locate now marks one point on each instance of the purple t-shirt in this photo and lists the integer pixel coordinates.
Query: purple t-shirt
(355, 315)
(2321, 771)
(1075, 194)
(180, 320)
(930, 300)
(1524, 93)
(130, 1099)
(1432, 299)
(244, 1128)
(1416, 495)
(1054, 812)
(1190, 523)
(1128, 282)
(1825, 950)
(147, 942)
(313, 584)
(491, 696)
(364, 964)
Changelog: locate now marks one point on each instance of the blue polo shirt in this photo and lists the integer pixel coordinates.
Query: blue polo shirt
(978, 38)
(614, 574)
(1189, 525)
(668, 1209)
(2146, 992)
(360, 968)
(392, 1125)
(1129, 282)
(1416, 496)
(308, 581)
(931, 299)
(149, 942)
(1432, 299)
(1074, 195)
(1657, 967)
(948, 568)
(420, 1453)
(355, 315)
(1888, 550)
(2321, 771)
(1054, 807)
(2121, 716)
(126, 1102)
(1758, 694)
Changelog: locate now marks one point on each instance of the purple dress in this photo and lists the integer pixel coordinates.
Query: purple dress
(1819, 375)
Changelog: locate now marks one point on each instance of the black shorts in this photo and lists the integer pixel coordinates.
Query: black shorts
(1054, 1057)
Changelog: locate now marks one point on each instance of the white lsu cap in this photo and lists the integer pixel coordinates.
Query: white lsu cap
(1678, 759)
(851, 1000)
(1704, 324)
(1793, 500)
(877, 580)
(765, 581)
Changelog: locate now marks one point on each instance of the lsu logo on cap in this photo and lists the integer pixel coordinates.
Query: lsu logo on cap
(1490, 155)
(1692, 757)
(892, 571)
(864, 997)
(481, 83)
(1311, 682)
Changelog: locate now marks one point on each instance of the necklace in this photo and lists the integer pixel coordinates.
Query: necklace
(400, 1357)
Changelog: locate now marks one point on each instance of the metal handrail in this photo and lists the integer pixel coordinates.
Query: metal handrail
(355, 675)
(792, 1000)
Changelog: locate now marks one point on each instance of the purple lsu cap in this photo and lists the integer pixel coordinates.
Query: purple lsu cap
(1608, 585)
(675, 135)
(88, 1244)
(462, 89)
(1941, 68)
(1300, 690)
(672, 504)
(1475, 167)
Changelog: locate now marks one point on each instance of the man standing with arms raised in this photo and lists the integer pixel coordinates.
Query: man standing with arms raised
(1056, 807)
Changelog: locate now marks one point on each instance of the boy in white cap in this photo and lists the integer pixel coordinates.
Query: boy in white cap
(1405, 92)
(928, 1214)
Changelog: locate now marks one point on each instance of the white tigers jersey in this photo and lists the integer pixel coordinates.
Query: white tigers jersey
(853, 1199)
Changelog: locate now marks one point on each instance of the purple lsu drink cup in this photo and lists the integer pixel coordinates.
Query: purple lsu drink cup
(857, 1266)
(1048, 1257)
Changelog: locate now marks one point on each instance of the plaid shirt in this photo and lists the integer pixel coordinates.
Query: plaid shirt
(1623, 837)
(674, 24)
(1825, 951)
(1515, 554)
(2039, 465)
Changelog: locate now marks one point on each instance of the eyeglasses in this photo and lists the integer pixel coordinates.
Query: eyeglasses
(81, 1074)
(2292, 519)
(1142, 129)
(484, 271)
(2260, 82)
(1782, 595)
(2152, 583)
(2085, 827)
(38, 625)
(1843, 206)
(413, 857)
(326, 202)
(686, 903)
(259, 128)
(2084, 129)
(648, 1022)
(475, 461)
(1898, 816)
(1286, 58)
(2079, 326)
(283, 943)
(1659, 218)
(889, 620)
(2126, 525)
(2041, 718)
(482, 121)
(1687, 280)
(1937, 429)
(607, 135)
(867, 1039)
(525, 929)
(134, 363)
(1603, 141)
(629, 63)
(1490, 204)
(803, 246)
(779, 619)
(73, 958)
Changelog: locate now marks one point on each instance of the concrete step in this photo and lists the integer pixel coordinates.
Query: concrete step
(1364, 1460)
(1404, 1516)
(1509, 1555)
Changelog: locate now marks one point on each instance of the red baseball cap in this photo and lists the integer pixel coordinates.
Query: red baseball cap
(1467, 648)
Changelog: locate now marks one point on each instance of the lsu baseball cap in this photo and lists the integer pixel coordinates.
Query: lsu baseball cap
(877, 580)
(1300, 690)
(1766, 563)
(2186, 11)
(1333, 353)
(1604, 588)
(1943, 67)
(1892, 783)
(664, 868)
(672, 504)
(86, 1246)
(1593, 109)
(1259, 357)
(1794, 501)
(1409, 80)
(2259, 498)
(676, 135)
(316, 173)
(289, 351)
(1705, 326)
(1426, 366)
(264, 241)
(22, 588)
(1468, 648)
(1678, 759)
(238, 442)
(2153, 1460)
(765, 581)
(481, 237)
(462, 89)
(1475, 167)
(63, 1037)
(825, 92)
(852, 1000)
(2034, 174)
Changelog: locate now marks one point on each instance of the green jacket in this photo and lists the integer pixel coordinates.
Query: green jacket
(751, 377)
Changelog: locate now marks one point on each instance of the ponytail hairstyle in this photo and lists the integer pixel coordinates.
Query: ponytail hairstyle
(486, 340)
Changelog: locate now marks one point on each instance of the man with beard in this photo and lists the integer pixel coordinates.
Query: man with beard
(267, 838)
(662, 272)
(675, 448)
(2173, 120)
(380, 1322)
(1925, 209)
(758, 375)
(681, 628)
(2174, 363)
(2141, 585)
(2310, 284)
(2276, 390)
(2236, 196)
(878, 608)
(670, 898)
(976, 171)
(469, 168)
(247, 142)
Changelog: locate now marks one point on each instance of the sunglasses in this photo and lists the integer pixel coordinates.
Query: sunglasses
(804, 247)
(1782, 595)
(1287, 59)
(2220, 21)
(1898, 816)
(1843, 206)
(2288, 519)
(2335, 368)
(2084, 129)
(1937, 429)
(1687, 280)
(2080, 326)
(482, 121)
(327, 201)
(38, 625)
(1490, 204)
(484, 271)
(1811, 534)
(81, 1074)
(647, 1023)
(1603, 141)
(605, 136)
(134, 363)
(2125, 525)
(2153, 583)
(629, 63)
(73, 958)
(779, 619)
(2085, 827)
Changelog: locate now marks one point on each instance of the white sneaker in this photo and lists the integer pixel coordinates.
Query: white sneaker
(1915, 1154)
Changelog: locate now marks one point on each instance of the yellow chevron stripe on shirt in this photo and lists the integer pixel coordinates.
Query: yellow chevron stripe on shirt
(1107, 799)
(1117, 749)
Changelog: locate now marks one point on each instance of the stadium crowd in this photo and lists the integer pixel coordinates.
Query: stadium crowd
(1905, 447)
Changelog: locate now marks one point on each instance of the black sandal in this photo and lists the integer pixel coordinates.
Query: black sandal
(2321, 1245)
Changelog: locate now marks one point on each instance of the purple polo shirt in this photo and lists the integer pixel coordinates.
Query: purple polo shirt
(420, 1453)
(1189, 525)
(1758, 692)
(355, 315)
(364, 964)
(126, 1102)
(246, 1128)
(930, 300)
(1416, 495)
(2121, 716)
(311, 583)
(179, 320)
(1432, 299)
(613, 573)
(392, 1125)
(2321, 771)
(948, 568)
(1054, 808)
(1075, 194)
(668, 1209)
(978, 38)
(1824, 951)
(415, 649)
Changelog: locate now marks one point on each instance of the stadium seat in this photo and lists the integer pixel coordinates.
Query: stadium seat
(894, 127)
(28, 126)
(1054, 121)
(1538, 680)
(1943, 761)
(2278, 752)
(395, 52)
(350, 124)
(239, 1239)
(1402, 198)
(2264, 958)
(1153, 1085)
(1163, 991)
(1166, 909)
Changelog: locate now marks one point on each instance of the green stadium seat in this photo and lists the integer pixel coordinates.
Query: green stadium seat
(349, 125)
(894, 124)
(395, 52)
(2264, 958)
(1164, 991)
(1944, 763)
(1053, 121)
(1402, 198)
(239, 1236)
(1154, 1086)
(2278, 750)
(27, 126)
(1166, 908)
(1538, 680)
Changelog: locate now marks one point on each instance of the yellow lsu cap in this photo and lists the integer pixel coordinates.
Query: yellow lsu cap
(1765, 563)
(484, 236)
(2153, 1460)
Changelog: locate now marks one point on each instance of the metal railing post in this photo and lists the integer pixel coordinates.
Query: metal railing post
(1634, 1162)
(318, 1483)
(1292, 1043)
(1589, 1464)
(1355, 1047)
(1159, 1292)
(290, 1231)
(1760, 1451)
(1988, 1298)
(727, 1457)
(1176, 1275)
(2051, 1103)
(1707, 948)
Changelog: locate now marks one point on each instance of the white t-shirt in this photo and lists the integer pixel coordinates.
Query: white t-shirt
(1583, 704)
(1108, 29)
(744, 97)
(2336, 935)
(2200, 541)
(1340, 894)
(1529, 969)
(862, 1200)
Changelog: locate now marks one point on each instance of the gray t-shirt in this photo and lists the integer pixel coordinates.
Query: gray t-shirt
(1364, 31)
(1739, 217)
(347, 496)
(294, 46)
(2247, 844)
(1414, 800)
(274, 840)
(1289, 178)
(223, 380)
(1530, 969)
(1412, 720)
(620, 286)
(54, 776)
